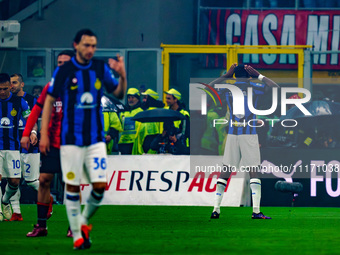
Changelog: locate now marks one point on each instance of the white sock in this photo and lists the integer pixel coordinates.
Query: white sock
(91, 206)
(15, 202)
(255, 186)
(0, 197)
(220, 187)
(72, 203)
(9, 192)
(34, 184)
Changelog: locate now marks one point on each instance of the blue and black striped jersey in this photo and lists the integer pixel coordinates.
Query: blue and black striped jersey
(238, 124)
(31, 101)
(80, 88)
(11, 111)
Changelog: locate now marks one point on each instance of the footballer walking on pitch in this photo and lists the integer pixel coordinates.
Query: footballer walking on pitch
(79, 83)
(50, 163)
(242, 145)
(30, 158)
(11, 110)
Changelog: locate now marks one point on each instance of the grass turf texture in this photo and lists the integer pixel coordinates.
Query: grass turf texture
(182, 230)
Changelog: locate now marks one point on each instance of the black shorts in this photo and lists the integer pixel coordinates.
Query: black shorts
(50, 164)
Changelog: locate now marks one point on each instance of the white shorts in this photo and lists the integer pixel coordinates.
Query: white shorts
(11, 165)
(242, 148)
(30, 165)
(90, 160)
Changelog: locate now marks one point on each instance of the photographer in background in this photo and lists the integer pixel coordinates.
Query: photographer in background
(170, 141)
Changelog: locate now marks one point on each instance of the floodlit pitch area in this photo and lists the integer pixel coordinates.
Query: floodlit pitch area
(183, 230)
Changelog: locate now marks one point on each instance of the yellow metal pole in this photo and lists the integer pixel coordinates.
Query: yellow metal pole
(234, 56)
(166, 71)
(232, 52)
(229, 57)
(301, 60)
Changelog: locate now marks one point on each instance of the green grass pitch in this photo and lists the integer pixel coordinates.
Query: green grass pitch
(182, 230)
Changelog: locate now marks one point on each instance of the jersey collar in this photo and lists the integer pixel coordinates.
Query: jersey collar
(74, 61)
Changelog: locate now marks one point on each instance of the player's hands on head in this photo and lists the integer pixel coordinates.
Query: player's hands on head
(118, 65)
(25, 142)
(252, 71)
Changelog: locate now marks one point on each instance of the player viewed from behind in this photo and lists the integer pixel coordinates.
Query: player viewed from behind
(79, 83)
(50, 163)
(11, 110)
(242, 143)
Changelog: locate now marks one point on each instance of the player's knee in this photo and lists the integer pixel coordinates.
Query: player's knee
(14, 182)
(254, 172)
(44, 184)
(99, 187)
(225, 174)
(44, 181)
(72, 188)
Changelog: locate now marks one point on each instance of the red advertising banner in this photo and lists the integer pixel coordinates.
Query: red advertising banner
(272, 27)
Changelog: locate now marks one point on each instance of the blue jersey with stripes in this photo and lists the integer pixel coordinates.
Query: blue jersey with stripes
(238, 124)
(31, 101)
(11, 111)
(80, 88)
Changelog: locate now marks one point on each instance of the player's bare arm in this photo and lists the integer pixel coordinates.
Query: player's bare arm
(119, 66)
(255, 74)
(44, 145)
(231, 71)
(228, 75)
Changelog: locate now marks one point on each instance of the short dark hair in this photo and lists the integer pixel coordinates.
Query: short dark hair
(19, 75)
(82, 32)
(69, 53)
(37, 87)
(240, 72)
(4, 77)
